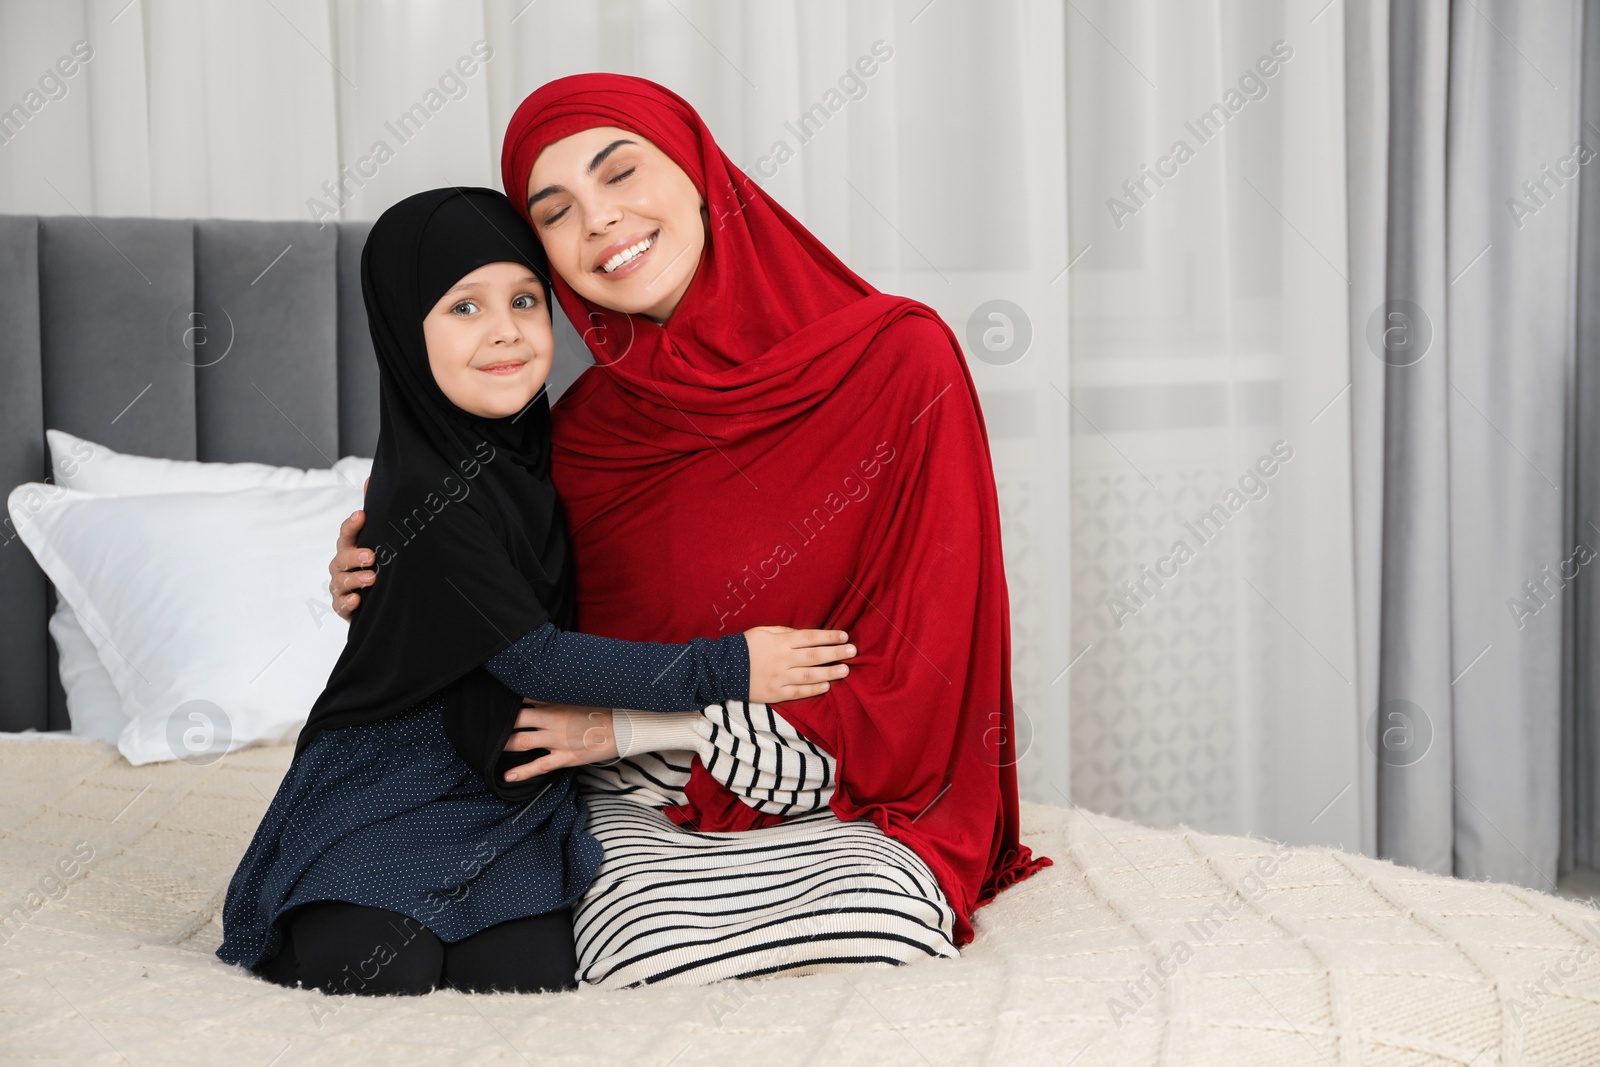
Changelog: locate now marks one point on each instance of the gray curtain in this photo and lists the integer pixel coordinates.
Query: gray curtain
(1580, 798)
(1473, 233)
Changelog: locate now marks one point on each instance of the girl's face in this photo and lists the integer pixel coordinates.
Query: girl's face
(621, 222)
(489, 340)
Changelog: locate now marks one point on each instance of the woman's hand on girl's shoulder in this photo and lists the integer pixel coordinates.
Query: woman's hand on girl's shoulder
(788, 664)
(351, 566)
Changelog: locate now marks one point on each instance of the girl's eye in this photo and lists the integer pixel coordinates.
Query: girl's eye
(551, 220)
(463, 304)
(532, 302)
(621, 176)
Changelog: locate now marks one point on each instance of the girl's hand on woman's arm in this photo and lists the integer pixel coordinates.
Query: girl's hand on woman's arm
(787, 664)
(573, 735)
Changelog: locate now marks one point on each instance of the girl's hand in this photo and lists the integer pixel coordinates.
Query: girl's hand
(574, 735)
(787, 664)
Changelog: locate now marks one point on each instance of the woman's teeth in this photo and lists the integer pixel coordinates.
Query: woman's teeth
(628, 255)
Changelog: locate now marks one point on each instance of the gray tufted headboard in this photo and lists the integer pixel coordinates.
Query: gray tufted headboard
(210, 339)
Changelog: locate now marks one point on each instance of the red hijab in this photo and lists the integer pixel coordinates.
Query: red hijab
(794, 447)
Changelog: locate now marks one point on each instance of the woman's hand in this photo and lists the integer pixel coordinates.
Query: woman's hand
(350, 564)
(574, 735)
(787, 664)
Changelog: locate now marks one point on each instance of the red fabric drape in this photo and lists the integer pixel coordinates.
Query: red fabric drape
(794, 447)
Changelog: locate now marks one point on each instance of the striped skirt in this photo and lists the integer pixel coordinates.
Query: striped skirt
(677, 906)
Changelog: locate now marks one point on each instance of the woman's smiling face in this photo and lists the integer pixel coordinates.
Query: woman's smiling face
(621, 222)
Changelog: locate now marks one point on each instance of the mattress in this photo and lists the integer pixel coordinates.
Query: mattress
(1139, 947)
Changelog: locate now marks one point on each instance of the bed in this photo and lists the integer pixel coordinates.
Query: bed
(1328, 958)
(1139, 946)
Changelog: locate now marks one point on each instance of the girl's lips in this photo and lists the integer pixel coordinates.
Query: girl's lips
(503, 368)
(632, 265)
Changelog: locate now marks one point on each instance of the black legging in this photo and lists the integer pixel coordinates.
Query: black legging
(351, 948)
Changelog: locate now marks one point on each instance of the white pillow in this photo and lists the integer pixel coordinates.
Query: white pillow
(95, 468)
(93, 706)
(208, 610)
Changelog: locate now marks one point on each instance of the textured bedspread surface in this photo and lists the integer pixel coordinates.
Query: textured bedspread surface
(1138, 947)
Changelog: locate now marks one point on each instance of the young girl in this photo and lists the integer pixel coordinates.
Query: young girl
(399, 855)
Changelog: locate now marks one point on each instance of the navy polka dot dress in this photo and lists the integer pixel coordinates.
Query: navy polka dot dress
(387, 814)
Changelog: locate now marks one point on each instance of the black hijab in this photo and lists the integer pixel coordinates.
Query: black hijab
(468, 536)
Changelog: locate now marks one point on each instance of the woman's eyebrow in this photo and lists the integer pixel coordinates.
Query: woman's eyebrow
(599, 158)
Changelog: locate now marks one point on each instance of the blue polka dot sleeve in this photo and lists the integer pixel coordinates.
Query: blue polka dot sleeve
(565, 667)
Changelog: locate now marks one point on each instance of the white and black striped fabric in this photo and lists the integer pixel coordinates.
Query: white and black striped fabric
(749, 748)
(756, 753)
(676, 906)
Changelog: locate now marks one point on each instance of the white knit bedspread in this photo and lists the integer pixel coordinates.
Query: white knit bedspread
(1106, 958)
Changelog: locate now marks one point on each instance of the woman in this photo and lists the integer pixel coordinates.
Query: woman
(764, 431)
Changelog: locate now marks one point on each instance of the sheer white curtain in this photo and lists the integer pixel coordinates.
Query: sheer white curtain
(924, 142)
(1211, 430)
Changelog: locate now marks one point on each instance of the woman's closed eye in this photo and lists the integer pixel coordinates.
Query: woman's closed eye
(553, 219)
